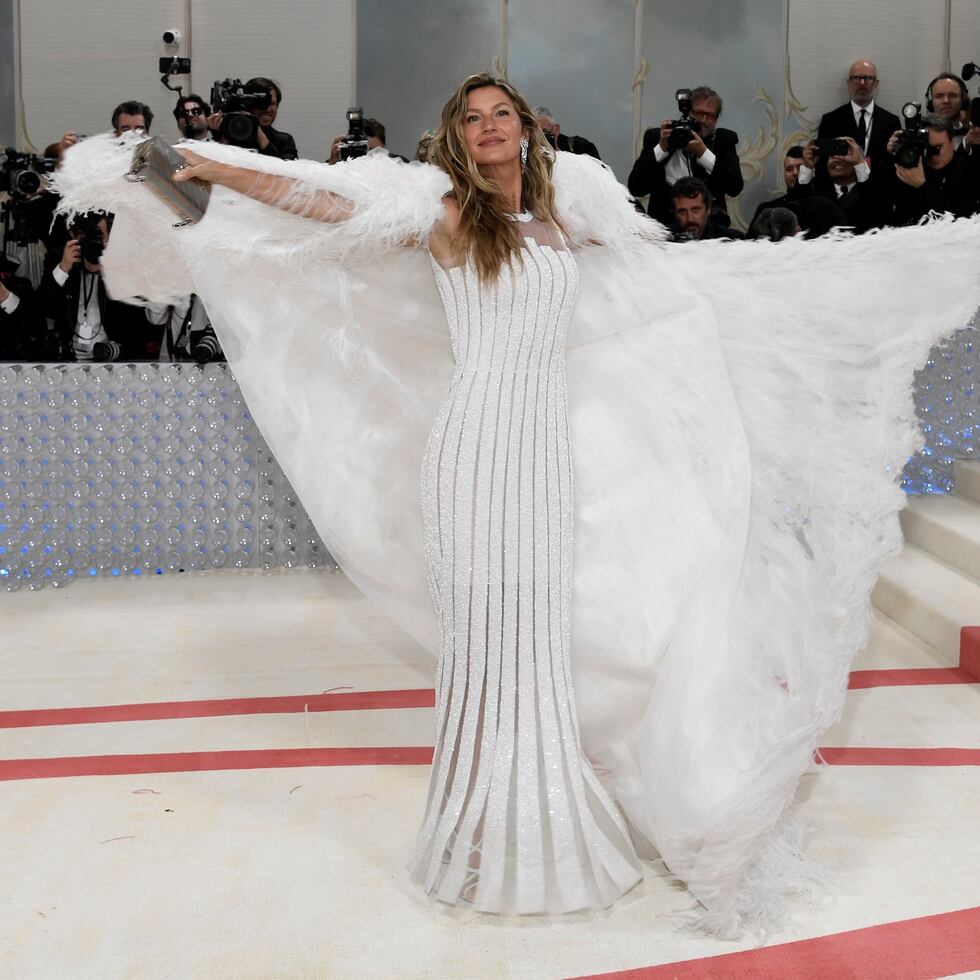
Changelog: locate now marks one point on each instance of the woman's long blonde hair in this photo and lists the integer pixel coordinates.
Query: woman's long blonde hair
(485, 231)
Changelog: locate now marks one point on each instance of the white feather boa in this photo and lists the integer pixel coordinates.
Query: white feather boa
(740, 414)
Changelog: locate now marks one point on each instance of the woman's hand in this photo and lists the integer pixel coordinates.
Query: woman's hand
(198, 167)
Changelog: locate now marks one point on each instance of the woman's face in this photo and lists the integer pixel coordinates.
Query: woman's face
(492, 128)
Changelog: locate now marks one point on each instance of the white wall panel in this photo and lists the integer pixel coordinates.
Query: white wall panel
(81, 59)
(307, 46)
(964, 43)
(905, 39)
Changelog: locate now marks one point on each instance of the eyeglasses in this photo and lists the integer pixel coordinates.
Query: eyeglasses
(862, 78)
(194, 110)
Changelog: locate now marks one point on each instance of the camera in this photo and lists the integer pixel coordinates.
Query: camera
(356, 144)
(174, 66)
(22, 174)
(683, 129)
(205, 347)
(970, 69)
(106, 350)
(913, 141)
(25, 219)
(831, 147)
(86, 228)
(238, 126)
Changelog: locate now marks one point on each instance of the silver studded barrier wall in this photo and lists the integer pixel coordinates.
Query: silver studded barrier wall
(948, 403)
(122, 469)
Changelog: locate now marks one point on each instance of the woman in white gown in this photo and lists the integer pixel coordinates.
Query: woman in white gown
(737, 417)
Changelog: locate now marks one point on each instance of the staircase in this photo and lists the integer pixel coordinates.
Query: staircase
(932, 589)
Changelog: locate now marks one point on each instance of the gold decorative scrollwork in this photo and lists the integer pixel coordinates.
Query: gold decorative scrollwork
(753, 157)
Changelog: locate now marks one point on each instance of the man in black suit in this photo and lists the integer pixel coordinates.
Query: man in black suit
(21, 324)
(792, 163)
(844, 181)
(691, 201)
(569, 144)
(710, 156)
(861, 119)
(272, 142)
(87, 324)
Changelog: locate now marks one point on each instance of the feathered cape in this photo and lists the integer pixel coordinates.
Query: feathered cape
(740, 413)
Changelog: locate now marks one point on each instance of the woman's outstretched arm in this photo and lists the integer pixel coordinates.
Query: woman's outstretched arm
(285, 193)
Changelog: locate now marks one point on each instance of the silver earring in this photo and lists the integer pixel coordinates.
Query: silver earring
(525, 143)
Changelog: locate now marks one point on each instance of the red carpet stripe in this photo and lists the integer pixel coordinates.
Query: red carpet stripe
(852, 756)
(156, 711)
(119, 765)
(970, 650)
(907, 676)
(915, 949)
(129, 765)
(411, 698)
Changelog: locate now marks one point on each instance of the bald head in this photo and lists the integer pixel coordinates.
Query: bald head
(862, 82)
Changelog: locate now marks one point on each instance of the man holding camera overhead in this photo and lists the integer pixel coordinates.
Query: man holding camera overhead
(691, 146)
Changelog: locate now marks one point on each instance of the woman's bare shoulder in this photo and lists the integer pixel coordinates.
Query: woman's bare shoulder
(450, 218)
(444, 232)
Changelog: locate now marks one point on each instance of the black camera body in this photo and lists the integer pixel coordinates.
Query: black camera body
(356, 144)
(683, 129)
(913, 141)
(238, 126)
(22, 174)
(22, 178)
(834, 147)
(87, 229)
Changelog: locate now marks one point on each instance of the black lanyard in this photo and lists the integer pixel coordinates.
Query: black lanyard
(87, 290)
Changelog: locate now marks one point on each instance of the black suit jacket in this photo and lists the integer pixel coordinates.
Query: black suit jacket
(577, 144)
(650, 177)
(862, 207)
(281, 145)
(840, 122)
(125, 324)
(954, 190)
(21, 332)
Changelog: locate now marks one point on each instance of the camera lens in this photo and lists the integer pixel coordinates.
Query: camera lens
(28, 182)
(239, 128)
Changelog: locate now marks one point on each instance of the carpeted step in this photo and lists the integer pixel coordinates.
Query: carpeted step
(966, 478)
(930, 599)
(948, 527)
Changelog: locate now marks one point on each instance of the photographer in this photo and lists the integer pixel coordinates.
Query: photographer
(187, 331)
(708, 154)
(554, 135)
(233, 97)
(87, 324)
(372, 131)
(844, 181)
(192, 113)
(130, 117)
(928, 177)
(21, 323)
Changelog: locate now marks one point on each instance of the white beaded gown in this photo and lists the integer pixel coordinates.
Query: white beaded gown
(516, 819)
(737, 416)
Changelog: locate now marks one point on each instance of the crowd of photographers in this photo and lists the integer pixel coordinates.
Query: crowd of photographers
(867, 168)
